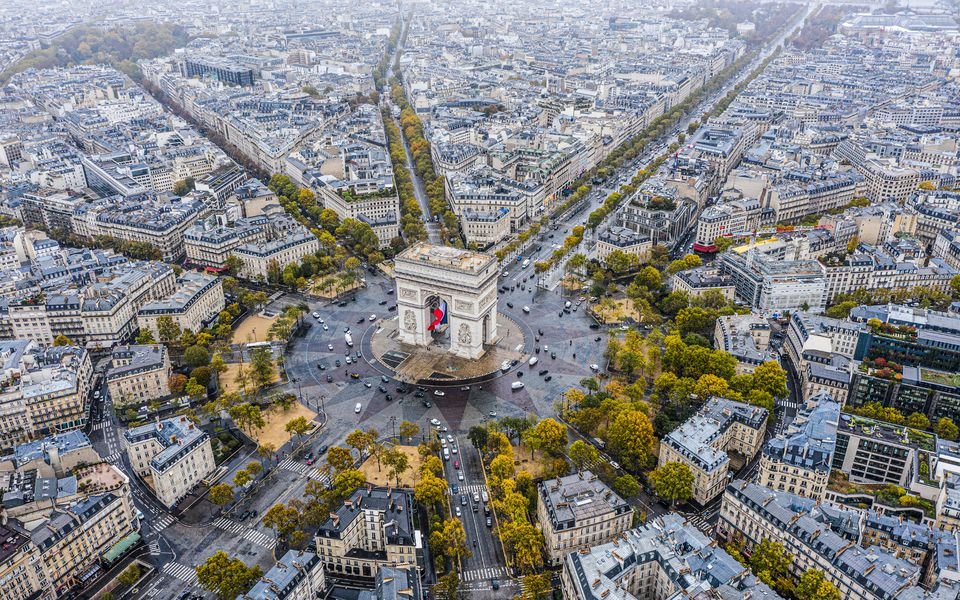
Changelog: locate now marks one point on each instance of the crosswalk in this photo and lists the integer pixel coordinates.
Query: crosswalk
(161, 523)
(257, 537)
(182, 572)
(102, 425)
(304, 470)
(789, 404)
(471, 488)
(154, 547)
(488, 573)
(114, 459)
(700, 523)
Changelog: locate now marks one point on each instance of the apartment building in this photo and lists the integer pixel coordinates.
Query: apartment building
(395, 583)
(726, 219)
(747, 338)
(196, 302)
(298, 575)
(828, 538)
(700, 280)
(773, 286)
(871, 451)
(260, 257)
(666, 558)
(372, 529)
(21, 573)
(621, 239)
(799, 460)
(811, 337)
(208, 243)
(484, 192)
(73, 539)
(931, 392)
(579, 511)
(946, 246)
(486, 228)
(909, 336)
(871, 267)
(173, 453)
(380, 208)
(138, 374)
(704, 440)
(46, 390)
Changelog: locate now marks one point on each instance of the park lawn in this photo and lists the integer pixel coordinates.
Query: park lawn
(623, 308)
(274, 432)
(523, 462)
(254, 328)
(228, 379)
(379, 478)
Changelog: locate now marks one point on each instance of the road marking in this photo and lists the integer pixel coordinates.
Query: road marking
(252, 535)
(182, 572)
(487, 573)
(162, 523)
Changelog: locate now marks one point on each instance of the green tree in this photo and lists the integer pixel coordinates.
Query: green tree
(548, 436)
(283, 520)
(918, 421)
(946, 429)
(242, 478)
(297, 426)
(226, 577)
(261, 367)
(583, 455)
(672, 481)
(130, 576)
(345, 483)
(145, 336)
(478, 436)
(196, 356)
(769, 561)
(631, 437)
(430, 490)
(168, 329)
(409, 430)
(195, 389)
(626, 485)
(397, 463)
(814, 586)
(183, 187)
(221, 494)
(339, 458)
(62, 340)
(361, 440)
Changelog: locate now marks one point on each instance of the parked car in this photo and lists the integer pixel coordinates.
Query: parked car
(439, 393)
(358, 408)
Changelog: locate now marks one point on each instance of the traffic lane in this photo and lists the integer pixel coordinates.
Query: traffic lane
(486, 553)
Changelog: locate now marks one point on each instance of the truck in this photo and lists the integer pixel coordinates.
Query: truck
(348, 339)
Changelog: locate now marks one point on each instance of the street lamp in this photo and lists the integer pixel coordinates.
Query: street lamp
(299, 390)
(393, 421)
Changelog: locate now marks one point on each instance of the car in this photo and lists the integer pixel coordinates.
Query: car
(548, 378)
(553, 355)
(463, 499)
(450, 438)
(526, 309)
(427, 403)
(354, 375)
(439, 393)
(442, 429)
(389, 397)
(456, 465)
(321, 321)
(322, 367)
(455, 488)
(358, 408)
(614, 464)
(546, 348)
(322, 449)
(459, 475)
(543, 372)
(329, 378)
(140, 515)
(490, 524)
(367, 384)
(392, 308)
(384, 379)
(476, 496)
(348, 360)
(453, 449)
(390, 291)
(492, 414)
(459, 513)
(308, 457)
(342, 303)
(325, 328)
(435, 422)
(594, 326)
(330, 347)
(372, 318)
(360, 321)
(597, 339)
(382, 302)
(537, 349)
(337, 362)
(381, 389)
(316, 315)
(465, 388)
(418, 395)
(540, 332)
(594, 367)
(509, 304)
(402, 390)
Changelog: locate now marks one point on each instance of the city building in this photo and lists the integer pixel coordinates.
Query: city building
(772, 286)
(698, 281)
(395, 583)
(624, 240)
(171, 455)
(705, 439)
(666, 558)
(259, 257)
(196, 302)
(909, 336)
(21, 574)
(372, 529)
(799, 460)
(579, 511)
(746, 338)
(298, 575)
(138, 374)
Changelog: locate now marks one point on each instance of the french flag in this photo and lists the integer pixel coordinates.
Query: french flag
(439, 316)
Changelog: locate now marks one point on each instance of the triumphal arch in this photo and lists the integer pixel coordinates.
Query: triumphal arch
(447, 297)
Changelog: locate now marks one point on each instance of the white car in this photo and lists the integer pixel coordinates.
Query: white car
(319, 320)
(435, 422)
(450, 438)
(594, 367)
(330, 347)
(316, 315)
(358, 408)
(460, 475)
(458, 512)
(439, 393)
(325, 328)
(453, 449)
(373, 317)
(526, 309)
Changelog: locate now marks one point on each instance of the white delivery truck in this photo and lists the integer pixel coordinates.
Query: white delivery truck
(532, 361)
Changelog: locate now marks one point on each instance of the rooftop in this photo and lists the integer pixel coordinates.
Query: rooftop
(578, 497)
(445, 256)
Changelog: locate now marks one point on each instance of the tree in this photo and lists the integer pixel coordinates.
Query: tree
(184, 186)
(455, 540)
(946, 429)
(346, 482)
(430, 490)
(918, 421)
(242, 478)
(626, 485)
(195, 389)
(478, 436)
(226, 577)
(62, 340)
(548, 436)
(202, 375)
(283, 520)
(339, 458)
(431, 464)
(361, 440)
(397, 463)
(583, 455)
(448, 586)
(409, 429)
(196, 356)
(526, 542)
(536, 586)
(814, 586)
(177, 383)
(769, 561)
(217, 364)
(254, 468)
(130, 576)
(297, 426)
(631, 437)
(771, 378)
(145, 336)
(261, 367)
(672, 481)
(221, 494)
(168, 329)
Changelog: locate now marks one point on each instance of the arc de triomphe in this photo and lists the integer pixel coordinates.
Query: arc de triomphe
(428, 275)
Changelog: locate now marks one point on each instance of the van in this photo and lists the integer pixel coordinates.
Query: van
(567, 305)
(516, 385)
(484, 496)
(532, 361)
(525, 264)
(446, 454)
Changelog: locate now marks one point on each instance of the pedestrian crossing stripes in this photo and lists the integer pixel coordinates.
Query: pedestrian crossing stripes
(113, 459)
(471, 488)
(291, 465)
(257, 537)
(182, 572)
(154, 547)
(323, 478)
(161, 523)
(102, 425)
(488, 573)
(700, 523)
